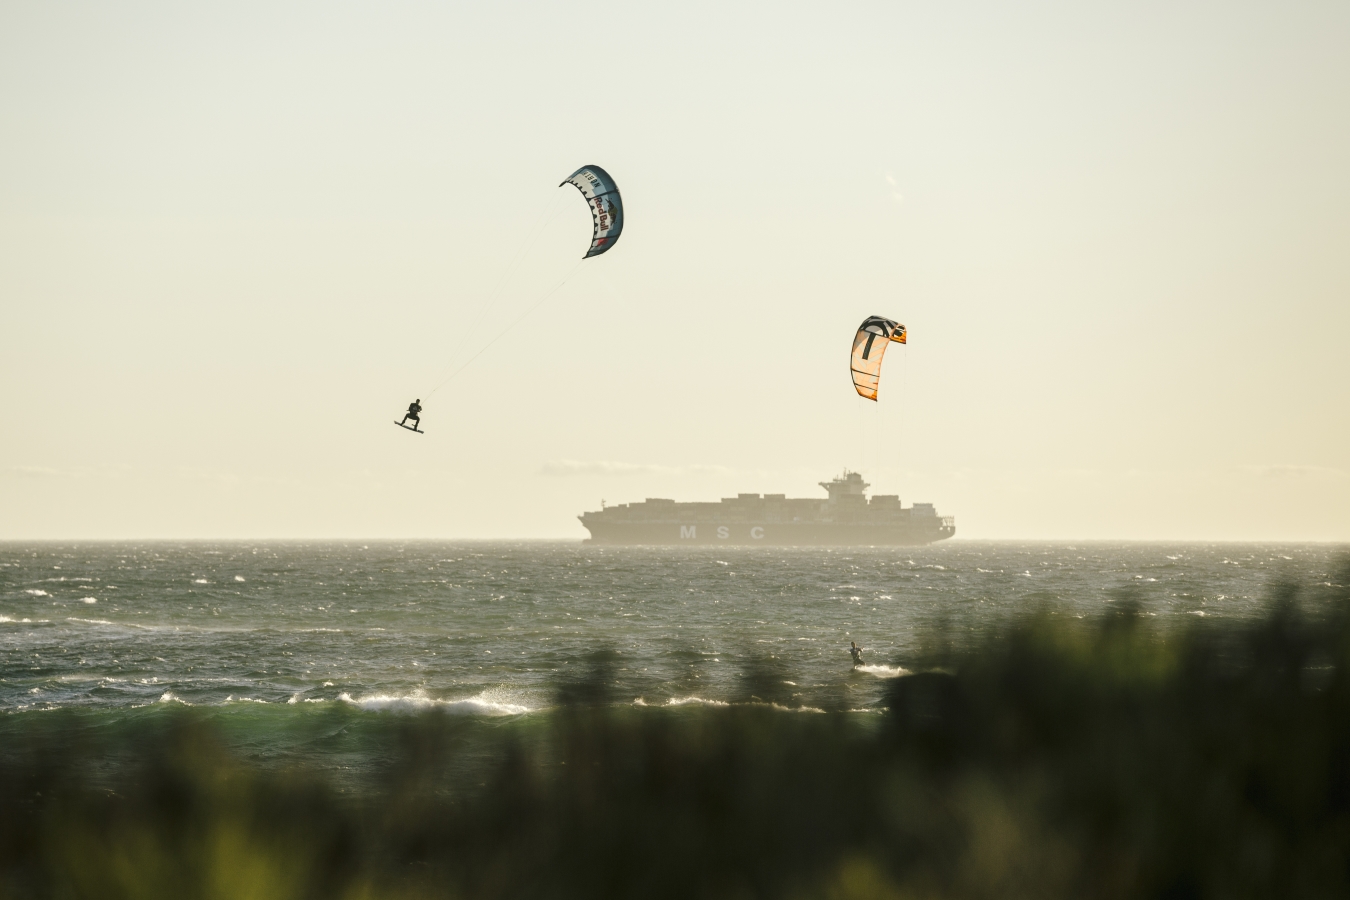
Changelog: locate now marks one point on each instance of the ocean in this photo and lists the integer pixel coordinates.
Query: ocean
(268, 639)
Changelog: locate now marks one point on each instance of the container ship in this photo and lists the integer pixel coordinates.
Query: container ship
(846, 518)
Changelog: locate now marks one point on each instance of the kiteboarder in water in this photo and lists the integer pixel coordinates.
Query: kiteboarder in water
(414, 408)
(856, 652)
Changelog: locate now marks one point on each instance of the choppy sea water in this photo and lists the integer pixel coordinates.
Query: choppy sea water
(489, 629)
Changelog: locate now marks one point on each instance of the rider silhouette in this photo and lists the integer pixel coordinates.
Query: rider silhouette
(414, 408)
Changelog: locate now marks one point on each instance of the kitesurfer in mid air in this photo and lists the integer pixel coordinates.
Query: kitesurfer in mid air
(856, 652)
(414, 408)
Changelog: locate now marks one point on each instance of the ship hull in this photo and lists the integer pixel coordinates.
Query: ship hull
(785, 534)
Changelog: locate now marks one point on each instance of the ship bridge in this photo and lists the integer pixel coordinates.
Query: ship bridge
(848, 488)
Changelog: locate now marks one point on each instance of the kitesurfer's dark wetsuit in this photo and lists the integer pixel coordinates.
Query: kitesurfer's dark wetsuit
(413, 409)
(856, 652)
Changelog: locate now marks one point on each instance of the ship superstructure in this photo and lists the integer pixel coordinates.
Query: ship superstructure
(847, 517)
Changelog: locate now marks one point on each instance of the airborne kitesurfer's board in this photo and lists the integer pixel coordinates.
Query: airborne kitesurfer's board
(406, 428)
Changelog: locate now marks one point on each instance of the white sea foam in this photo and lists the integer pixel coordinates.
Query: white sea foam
(239, 578)
(170, 697)
(5, 619)
(88, 599)
(675, 702)
(883, 671)
(37, 592)
(694, 701)
(418, 701)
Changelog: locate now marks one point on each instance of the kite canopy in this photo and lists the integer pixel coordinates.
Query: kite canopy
(868, 351)
(606, 205)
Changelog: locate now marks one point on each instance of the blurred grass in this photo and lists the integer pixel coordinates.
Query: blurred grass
(1061, 759)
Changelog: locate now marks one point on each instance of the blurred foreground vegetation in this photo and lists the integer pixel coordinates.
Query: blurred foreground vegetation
(1062, 759)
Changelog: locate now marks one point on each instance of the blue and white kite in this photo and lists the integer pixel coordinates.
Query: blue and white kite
(606, 205)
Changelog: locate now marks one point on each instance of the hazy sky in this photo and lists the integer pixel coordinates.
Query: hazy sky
(237, 239)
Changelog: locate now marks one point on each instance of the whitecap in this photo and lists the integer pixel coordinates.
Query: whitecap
(883, 671)
(694, 701)
(171, 697)
(200, 581)
(37, 592)
(239, 578)
(418, 701)
(88, 599)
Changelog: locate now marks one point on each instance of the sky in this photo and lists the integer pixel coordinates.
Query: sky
(237, 239)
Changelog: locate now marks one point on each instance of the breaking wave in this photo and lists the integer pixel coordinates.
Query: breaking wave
(676, 702)
(883, 671)
(693, 701)
(417, 702)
